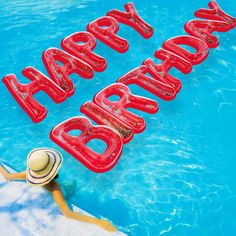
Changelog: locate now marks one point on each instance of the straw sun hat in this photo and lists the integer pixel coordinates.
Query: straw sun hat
(43, 165)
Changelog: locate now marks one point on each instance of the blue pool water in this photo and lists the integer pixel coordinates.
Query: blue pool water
(177, 177)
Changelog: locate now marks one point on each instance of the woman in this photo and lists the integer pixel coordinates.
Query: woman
(42, 170)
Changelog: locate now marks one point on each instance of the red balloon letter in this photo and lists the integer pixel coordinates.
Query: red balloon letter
(201, 54)
(60, 74)
(76, 145)
(160, 72)
(138, 76)
(203, 29)
(126, 99)
(131, 18)
(108, 34)
(23, 93)
(102, 117)
(84, 51)
(216, 13)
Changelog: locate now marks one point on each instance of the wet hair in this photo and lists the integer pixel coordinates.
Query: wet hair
(56, 177)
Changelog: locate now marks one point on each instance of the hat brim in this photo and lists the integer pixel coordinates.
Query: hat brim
(40, 179)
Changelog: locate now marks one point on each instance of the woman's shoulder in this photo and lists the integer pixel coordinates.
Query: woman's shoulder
(52, 186)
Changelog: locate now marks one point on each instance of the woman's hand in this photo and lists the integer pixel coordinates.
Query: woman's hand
(14, 176)
(106, 225)
(4, 173)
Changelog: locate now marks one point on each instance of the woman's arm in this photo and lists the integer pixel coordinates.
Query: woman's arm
(58, 197)
(15, 176)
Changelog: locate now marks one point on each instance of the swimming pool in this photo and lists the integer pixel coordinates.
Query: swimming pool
(177, 177)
